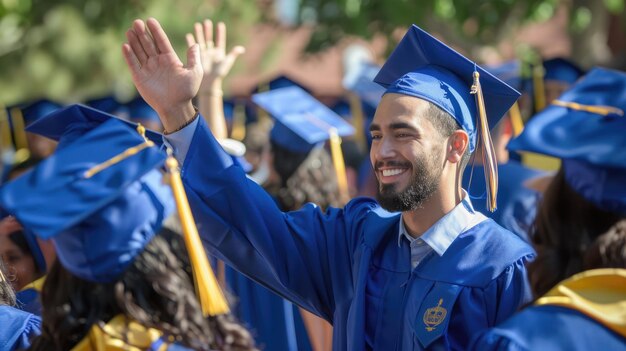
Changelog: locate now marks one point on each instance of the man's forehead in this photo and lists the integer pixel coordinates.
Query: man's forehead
(401, 108)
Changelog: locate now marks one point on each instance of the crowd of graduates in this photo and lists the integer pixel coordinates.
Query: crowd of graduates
(489, 215)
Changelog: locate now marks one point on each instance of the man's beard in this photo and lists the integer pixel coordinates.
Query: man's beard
(423, 183)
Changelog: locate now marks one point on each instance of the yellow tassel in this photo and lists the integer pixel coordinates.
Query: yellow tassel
(18, 129)
(490, 163)
(539, 88)
(358, 120)
(264, 117)
(516, 119)
(209, 293)
(239, 122)
(5, 130)
(340, 168)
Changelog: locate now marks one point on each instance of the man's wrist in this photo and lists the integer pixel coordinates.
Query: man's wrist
(178, 117)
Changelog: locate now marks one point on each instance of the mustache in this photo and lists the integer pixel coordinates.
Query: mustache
(399, 164)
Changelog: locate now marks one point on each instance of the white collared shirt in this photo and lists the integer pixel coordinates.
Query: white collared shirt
(441, 235)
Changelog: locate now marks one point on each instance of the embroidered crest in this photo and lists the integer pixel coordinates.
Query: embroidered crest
(434, 316)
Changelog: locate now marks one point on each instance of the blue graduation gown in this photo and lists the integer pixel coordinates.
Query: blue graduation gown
(17, 328)
(548, 328)
(517, 205)
(28, 300)
(345, 265)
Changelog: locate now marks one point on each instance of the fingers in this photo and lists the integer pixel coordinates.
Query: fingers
(136, 48)
(160, 38)
(208, 31)
(146, 41)
(199, 31)
(229, 60)
(220, 38)
(131, 59)
(191, 41)
(193, 57)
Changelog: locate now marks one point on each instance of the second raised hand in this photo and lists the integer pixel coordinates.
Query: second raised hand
(216, 63)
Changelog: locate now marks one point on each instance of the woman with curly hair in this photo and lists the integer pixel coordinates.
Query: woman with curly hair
(18, 327)
(122, 281)
(579, 275)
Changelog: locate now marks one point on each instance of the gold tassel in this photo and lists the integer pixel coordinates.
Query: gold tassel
(239, 122)
(539, 88)
(516, 119)
(358, 120)
(490, 163)
(340, 167)
(264, 117)
(5, 129)
(18, 129)
(209, 293)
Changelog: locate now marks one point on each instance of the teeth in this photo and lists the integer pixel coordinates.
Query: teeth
(392, 172)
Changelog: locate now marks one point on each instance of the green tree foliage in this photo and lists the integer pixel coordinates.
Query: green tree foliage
(71, 50)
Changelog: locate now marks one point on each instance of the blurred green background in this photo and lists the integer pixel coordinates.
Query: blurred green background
(70, 50)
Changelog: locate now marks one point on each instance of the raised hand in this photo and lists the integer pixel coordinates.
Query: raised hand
(215, 62)
(159, 75)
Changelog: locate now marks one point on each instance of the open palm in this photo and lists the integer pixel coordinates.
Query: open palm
(159, 75)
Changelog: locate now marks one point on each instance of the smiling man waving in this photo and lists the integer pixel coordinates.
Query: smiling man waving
(428, 278)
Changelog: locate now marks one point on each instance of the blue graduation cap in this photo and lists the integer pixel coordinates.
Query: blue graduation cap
(360, 81)
(586, 127)
(562, 70)
(509, 72)
(38, 109)
(302, 122)
(280, 81)
(103, 197)
(108, 104)
(139, 110)
(70, 123)
(424, 67)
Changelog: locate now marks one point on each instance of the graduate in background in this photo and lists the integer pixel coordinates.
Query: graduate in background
(18, 327)
(122, 276)
(578, 232)
(274, 321)
(431, 277)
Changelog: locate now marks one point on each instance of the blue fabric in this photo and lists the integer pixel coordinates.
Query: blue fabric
(72, 122)
(517, 204)
(38, 109)
(99, 223)
(423, 67)
(18, 328)
(139, 110)
(29, 300)
(509, 72)
(345, 264)
(549, 328)
(108, 104)
(361, 82)
(302, 122)
(590, 144)
(561, 70)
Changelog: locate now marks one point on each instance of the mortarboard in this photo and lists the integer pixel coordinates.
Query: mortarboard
(139, 110)
(424, 67)
(108, 104)
(302, 122)
(38, 109)
(109, 210)
(586, 128)
(360, 81)
(509, 72)
(68, 124)
(561, 70)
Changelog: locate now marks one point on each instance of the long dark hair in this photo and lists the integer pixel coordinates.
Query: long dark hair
(7, 294)
(305, 177)
(565, 228)
(155, 291)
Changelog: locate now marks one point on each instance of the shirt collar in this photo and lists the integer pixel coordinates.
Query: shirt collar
(441, 235)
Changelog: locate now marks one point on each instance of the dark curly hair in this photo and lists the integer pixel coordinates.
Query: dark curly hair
(565, 229)
(305, 177)
(7, 294)
(156, 291)
(609, 249)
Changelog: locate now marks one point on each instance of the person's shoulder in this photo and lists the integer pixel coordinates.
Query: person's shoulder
(480, 255)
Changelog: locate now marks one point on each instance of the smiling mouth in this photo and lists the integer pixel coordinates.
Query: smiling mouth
(393, 172)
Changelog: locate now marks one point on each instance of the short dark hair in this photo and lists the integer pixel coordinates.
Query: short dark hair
(446, 125)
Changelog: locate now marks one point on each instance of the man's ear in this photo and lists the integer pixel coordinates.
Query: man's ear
(458, 142)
